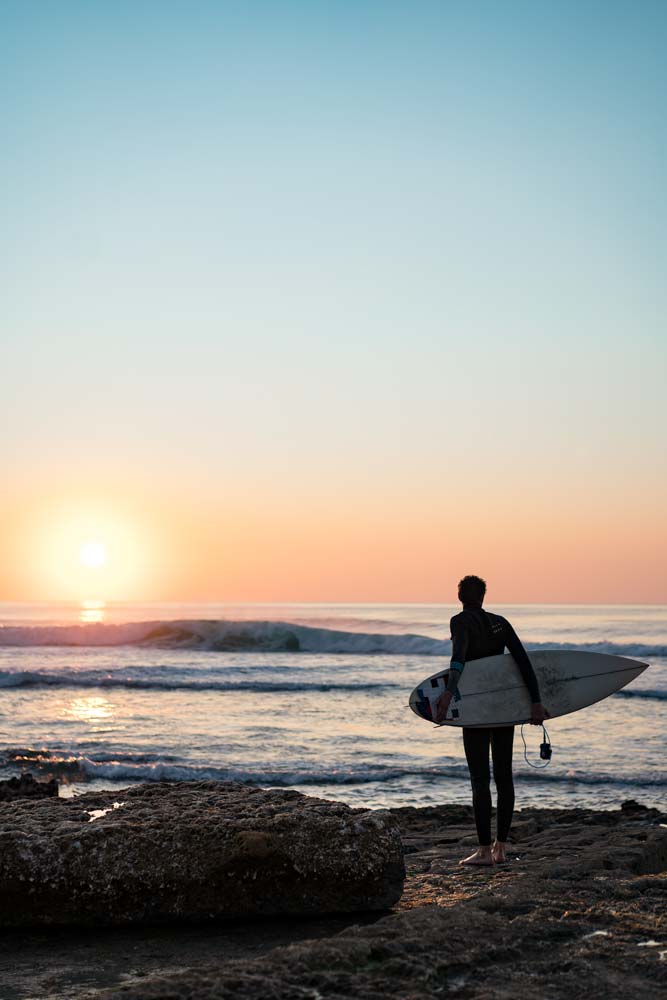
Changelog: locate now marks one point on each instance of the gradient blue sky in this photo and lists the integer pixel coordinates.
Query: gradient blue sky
(389, 273)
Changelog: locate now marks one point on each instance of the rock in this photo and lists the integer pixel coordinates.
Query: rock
(191, 851)
(632, 806)
(26, 787)
(556, 922)
(400, 956)
(559, 921)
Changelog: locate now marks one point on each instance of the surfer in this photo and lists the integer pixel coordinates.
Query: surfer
(477, 633)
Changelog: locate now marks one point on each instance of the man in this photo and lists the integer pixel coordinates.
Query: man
(477, 633)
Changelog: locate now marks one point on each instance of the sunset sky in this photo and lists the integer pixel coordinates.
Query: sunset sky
(334, 301)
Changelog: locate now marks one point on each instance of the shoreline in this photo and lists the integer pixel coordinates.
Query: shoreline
(577, 797)
(584, 895)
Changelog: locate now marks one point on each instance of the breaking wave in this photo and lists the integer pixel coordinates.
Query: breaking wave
(163, 679)
(136, 767)
(222, 636)
(130, 767)
(269, 636)
(641, 693)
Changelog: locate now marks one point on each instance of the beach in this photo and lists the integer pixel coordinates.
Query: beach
(579, 908)
(313, 699)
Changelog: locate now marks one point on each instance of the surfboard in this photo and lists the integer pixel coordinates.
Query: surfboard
(491, 691)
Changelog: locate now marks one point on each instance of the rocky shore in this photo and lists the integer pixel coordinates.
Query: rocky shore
(579, 910)
(192, 851)
(25, 787)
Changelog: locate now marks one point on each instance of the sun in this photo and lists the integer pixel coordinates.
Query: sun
(93, 554)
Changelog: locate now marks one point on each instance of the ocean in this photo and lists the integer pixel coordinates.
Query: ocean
(312, 697)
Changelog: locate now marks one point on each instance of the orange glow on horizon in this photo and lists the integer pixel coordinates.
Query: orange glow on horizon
(411, 548)
(87, 551)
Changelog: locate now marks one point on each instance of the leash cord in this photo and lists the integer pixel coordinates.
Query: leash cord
(538, 767)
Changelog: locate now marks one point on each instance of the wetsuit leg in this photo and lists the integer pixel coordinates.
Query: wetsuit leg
(476, 745)
(502, 741)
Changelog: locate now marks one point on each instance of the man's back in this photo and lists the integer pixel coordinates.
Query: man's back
(477, 633)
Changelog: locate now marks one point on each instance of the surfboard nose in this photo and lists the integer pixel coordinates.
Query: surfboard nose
(639, 664)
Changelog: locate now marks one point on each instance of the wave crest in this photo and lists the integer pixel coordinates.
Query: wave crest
(161, 679)
(270, 636)
(222, 636)
(128, 768)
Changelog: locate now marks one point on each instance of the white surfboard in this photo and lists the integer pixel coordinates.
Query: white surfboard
(491, 691)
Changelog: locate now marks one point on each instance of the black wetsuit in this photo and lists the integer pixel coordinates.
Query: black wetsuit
(477, 633)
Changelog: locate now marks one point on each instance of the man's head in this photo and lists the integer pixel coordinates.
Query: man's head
(472, 590)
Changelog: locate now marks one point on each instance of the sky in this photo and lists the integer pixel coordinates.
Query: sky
(333, 301)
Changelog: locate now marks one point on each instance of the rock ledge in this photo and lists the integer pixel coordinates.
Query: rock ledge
(192, 851)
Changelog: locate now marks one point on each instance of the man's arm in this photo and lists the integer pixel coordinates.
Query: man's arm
(523, 663)
(459, 631)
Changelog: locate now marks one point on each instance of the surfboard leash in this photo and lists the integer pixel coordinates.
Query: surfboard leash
(545, 749)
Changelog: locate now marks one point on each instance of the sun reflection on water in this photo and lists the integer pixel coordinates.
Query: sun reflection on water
(90, 709)
(92, 612)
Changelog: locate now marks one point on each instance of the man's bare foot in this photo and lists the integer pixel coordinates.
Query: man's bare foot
(482, 856)
(498, 853)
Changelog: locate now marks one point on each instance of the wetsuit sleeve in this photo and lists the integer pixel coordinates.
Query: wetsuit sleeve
(522, 661)
(459, 632)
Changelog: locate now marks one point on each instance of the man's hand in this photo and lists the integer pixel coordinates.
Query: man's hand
(442, 706)
(538, 714)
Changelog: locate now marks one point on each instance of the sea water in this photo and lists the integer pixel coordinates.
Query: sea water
(312, 697)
